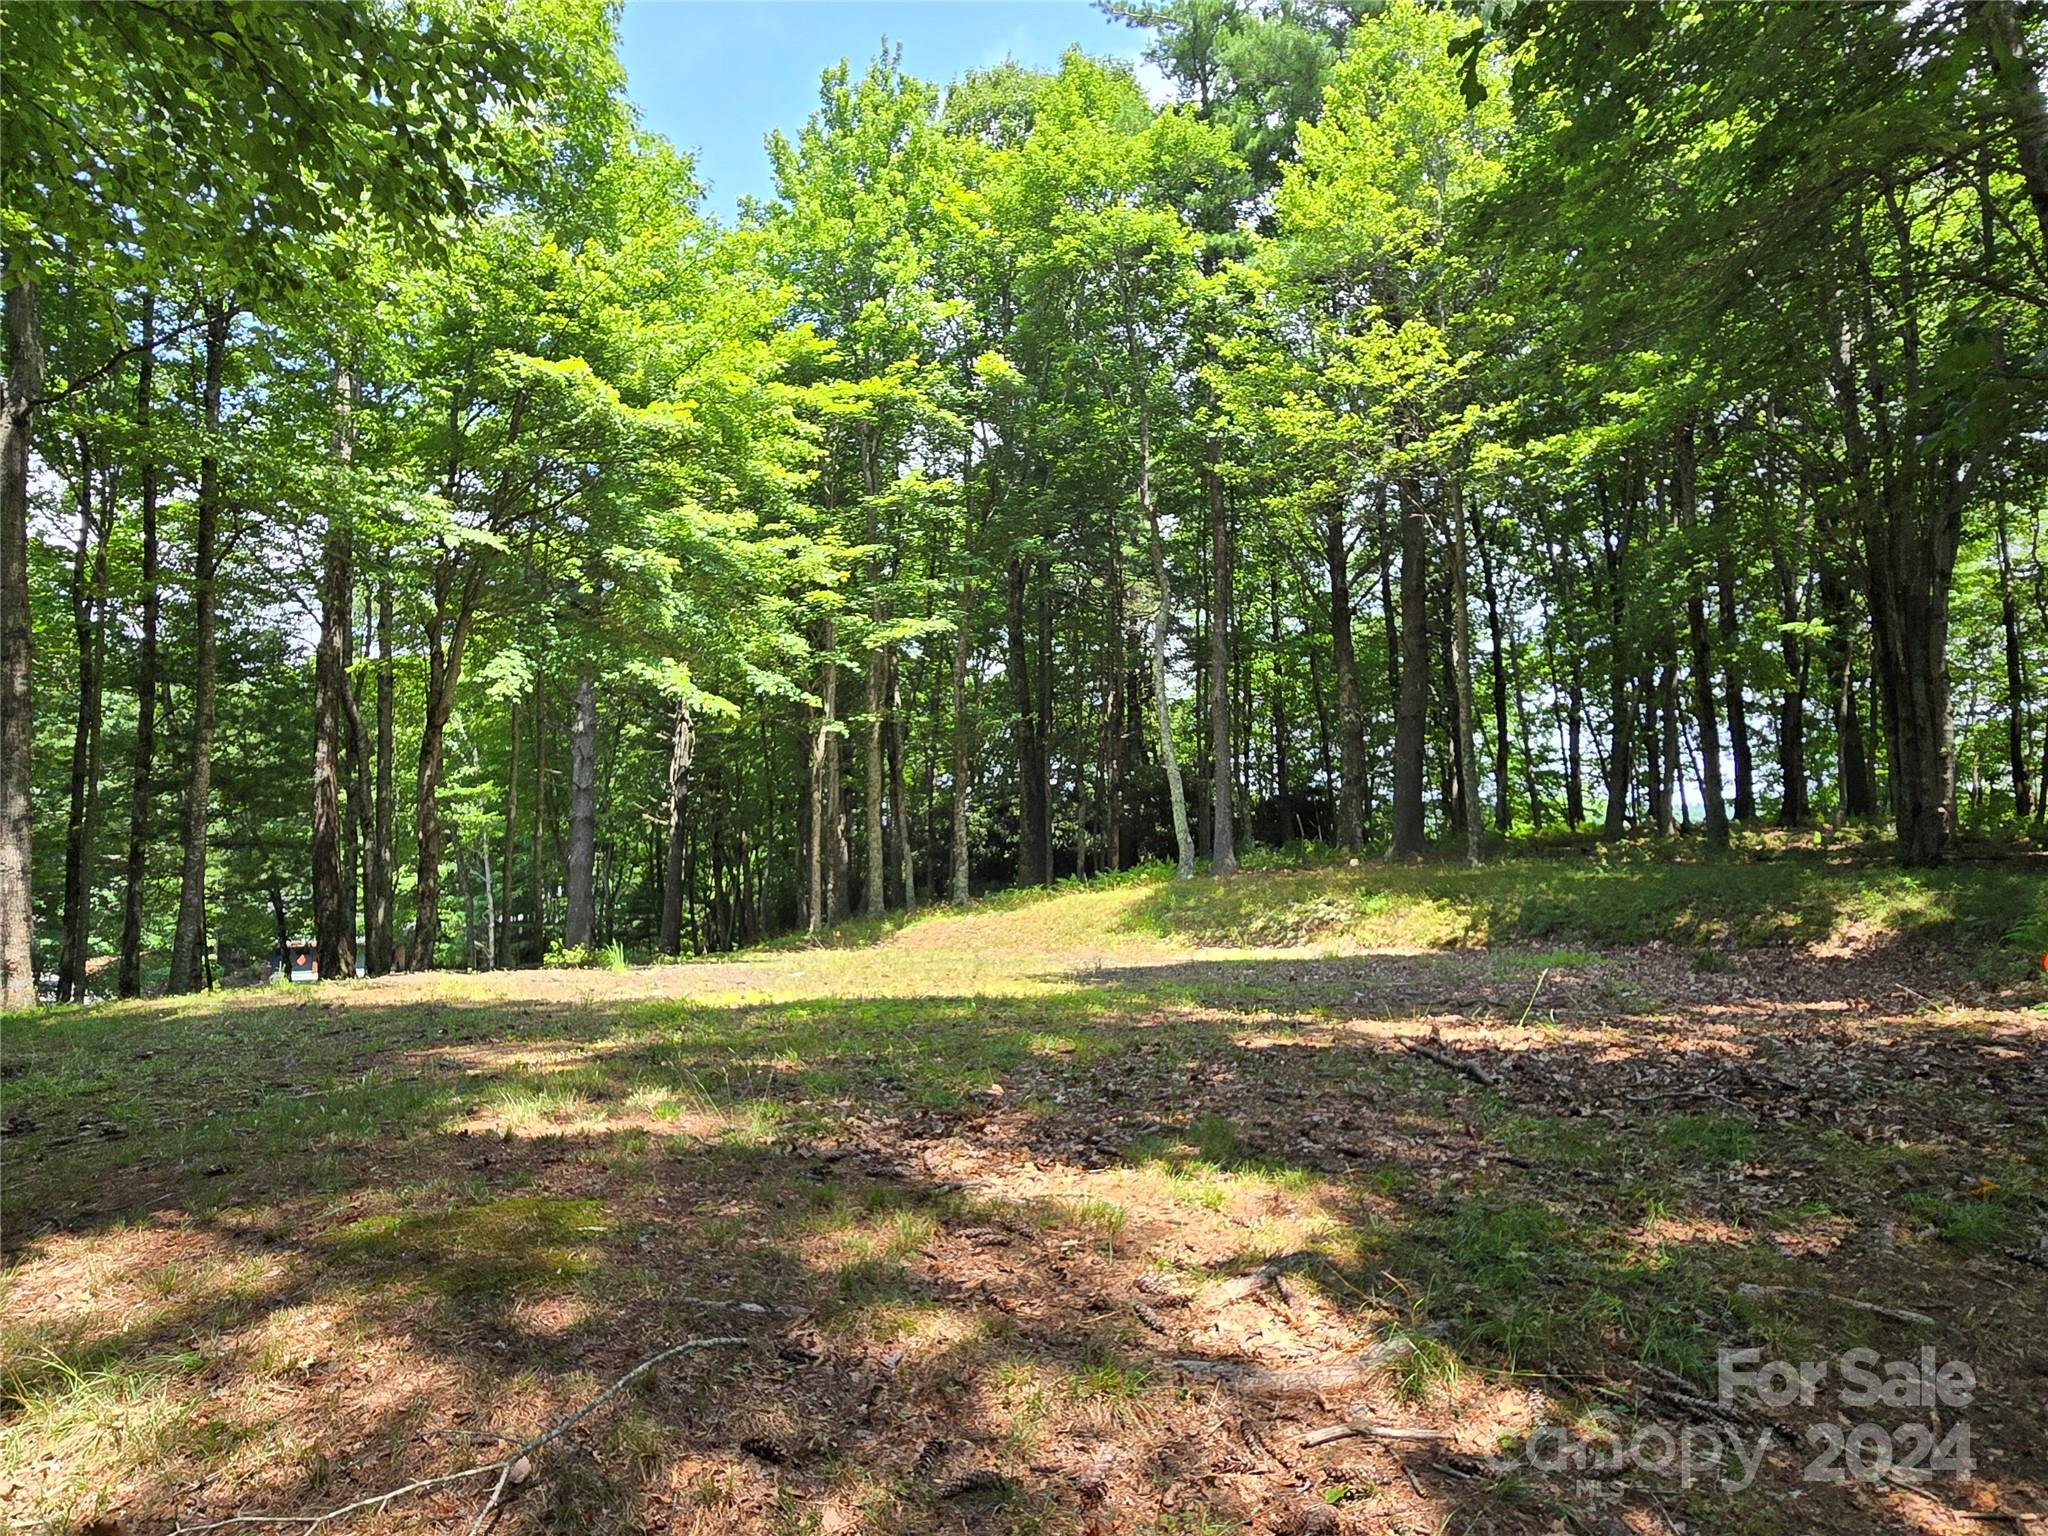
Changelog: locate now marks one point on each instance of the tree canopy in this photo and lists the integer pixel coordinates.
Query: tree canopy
(425, 528)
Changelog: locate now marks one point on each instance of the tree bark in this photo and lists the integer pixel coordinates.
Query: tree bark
(380, 861)
(1344, 659)
(1621, 712)
(1685, 493)
(1411, 713)
(899, 818)
(333, 943)
(2015, 676)
(17, 633)
(821, 745)
(187, 947)
(2020, 79)
(88, 620)
(444, 673)
(1222, 806)
(1032, 854)
(874, 899)
(1461, 676)
(1740, 747)
(1503, 813)
(143, 793)
(681, 747)
(963, 751)
(579, 919)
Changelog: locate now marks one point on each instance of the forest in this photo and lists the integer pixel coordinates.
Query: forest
(1292, 785)
(1431, 431)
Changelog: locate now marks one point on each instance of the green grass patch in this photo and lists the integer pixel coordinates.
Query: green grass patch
(523, 1245)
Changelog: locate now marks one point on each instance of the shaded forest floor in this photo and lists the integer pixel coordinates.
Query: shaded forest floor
(1034, 1212)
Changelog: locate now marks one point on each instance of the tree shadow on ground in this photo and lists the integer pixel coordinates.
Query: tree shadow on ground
(320, 1261)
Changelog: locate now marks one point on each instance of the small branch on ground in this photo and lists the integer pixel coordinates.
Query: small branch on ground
(1366, 1429)
(508, 1467)
(1454, 1062)
(1302, 1381)
(1897, 1314)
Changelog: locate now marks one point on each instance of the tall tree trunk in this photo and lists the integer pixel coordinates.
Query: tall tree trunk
(579, 920)
(187, 947)
(1621, 712)
(1183, 838)
(504, 943)
(1665, 783)
(2015, 676)
(821, 748)
(88, 622)
(380, 858)
(2019, 78)
(1853, 798)
(444, 675)
(17, 634)
(963, 750)
(875, 896)
(1222, 807)
(1461, 676)
(681, 748)
(537, 890)
(1503, 813)
(332, 942)
(143, 793)
(1350, 711)
(1740, 747)
(1032, 853)
(1685, 495)
(1411, 715)
(483, 856)
(899, 819)
(838, 889)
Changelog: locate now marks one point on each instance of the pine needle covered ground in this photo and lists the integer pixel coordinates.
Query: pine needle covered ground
(1073, 1212)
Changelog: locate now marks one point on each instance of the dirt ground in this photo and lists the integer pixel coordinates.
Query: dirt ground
(1040, 1219)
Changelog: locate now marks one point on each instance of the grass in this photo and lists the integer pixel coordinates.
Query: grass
(1614, 896)
(289, 1247)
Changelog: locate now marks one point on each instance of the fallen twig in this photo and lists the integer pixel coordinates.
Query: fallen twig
(1367, 1430)
(504, 1466)
(1454, 1063)
(1897, 1314)
(1302, 1380)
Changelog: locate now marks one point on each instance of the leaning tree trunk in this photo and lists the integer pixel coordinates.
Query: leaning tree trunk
(579, 921)
(24, 385)
(1183, 838)
(1412, 711)
(187, 958)
(143, 793)
(333, 943)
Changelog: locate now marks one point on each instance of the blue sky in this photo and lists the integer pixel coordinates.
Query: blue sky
(714, 76)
